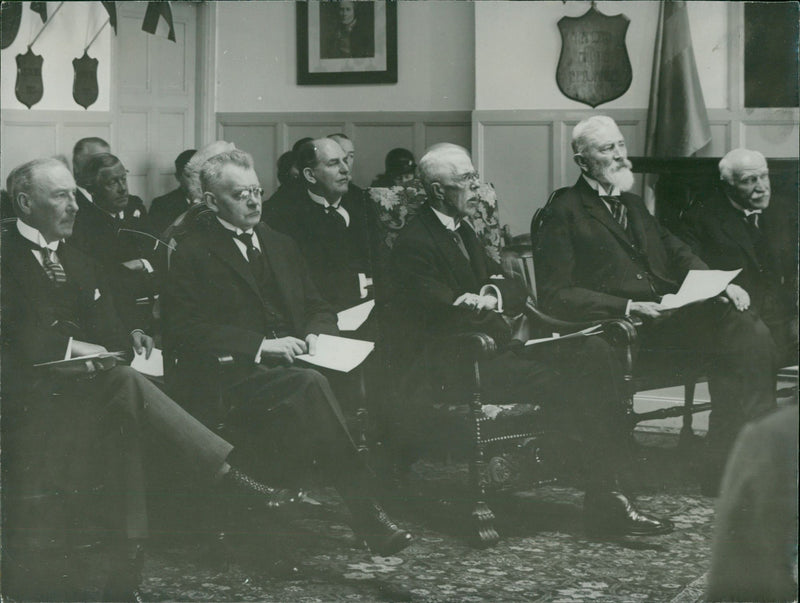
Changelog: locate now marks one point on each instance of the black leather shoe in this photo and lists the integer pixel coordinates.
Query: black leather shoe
(611, 513)
(379, 532)
(273, 497)
(123, 583)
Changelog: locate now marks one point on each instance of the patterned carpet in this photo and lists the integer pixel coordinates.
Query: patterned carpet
(309, 554)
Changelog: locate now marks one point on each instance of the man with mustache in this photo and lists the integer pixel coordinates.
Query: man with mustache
(738, 227)
(445, 283)
(600, 254)
(329, 223)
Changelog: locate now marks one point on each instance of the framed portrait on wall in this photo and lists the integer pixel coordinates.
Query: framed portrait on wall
(346, 42)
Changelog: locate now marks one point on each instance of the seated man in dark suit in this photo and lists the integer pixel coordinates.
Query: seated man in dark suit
(445, 283)
(83, 150)
(290, 187)
(112, 230)
(738, 227)
(329, 224)
(55, 306)
(166, 208)
(239, 288)
(600, 254)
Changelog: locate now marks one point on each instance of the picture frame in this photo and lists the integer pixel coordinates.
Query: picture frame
(345, 42)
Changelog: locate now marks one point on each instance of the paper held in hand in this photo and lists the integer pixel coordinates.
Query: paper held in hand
(352, 318)
(593, 330)
(153, 366)
(699, 285)
(339, 353)
(102, 358)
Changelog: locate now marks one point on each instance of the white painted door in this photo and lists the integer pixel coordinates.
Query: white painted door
(154, 108)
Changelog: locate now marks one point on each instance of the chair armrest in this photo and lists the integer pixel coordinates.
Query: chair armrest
(477, 345)
(620, 331)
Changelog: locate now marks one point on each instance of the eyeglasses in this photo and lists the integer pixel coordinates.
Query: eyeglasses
(461, 178)
(245, 194)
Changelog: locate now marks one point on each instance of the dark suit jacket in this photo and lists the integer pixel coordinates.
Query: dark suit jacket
(588, 267)
(335, 254)
(101, 238)
(28, 335)
(430, 272)
(718, 233)
(211, 303)
(165, 209)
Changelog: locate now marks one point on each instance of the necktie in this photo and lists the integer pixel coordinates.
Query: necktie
(52, 266)
(618, 210)
(331, 211)
(752, 220)
(456, 234)
(253, 254)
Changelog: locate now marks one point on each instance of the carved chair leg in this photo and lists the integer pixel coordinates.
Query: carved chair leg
(482, 528)
(687, 433)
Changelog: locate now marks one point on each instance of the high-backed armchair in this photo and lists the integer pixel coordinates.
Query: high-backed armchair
(457, 421)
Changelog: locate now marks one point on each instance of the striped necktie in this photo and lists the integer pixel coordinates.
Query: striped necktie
(618, 210)
(52, 266)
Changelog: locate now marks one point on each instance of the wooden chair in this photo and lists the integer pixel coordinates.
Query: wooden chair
(459, 418)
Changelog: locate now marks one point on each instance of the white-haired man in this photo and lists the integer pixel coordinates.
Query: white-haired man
(445, 283)
(738, 228)
(600, 254)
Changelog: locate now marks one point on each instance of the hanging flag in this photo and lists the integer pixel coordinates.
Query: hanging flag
(41, 9)
(10, 18)
(677, 120)
(156, 10)
(111, 9)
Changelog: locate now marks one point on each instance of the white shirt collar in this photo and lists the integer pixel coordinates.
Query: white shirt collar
(601, 190)
(34, 236)
(744, 210)
(449, 222)
(86, 193)
(319, 200)
(235, 229)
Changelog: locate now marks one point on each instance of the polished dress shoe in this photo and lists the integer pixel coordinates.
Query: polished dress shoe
(378, 531)
(273, 498)
(611, 513)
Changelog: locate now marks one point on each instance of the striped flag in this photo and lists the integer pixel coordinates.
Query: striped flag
(677, 120)
(111, 9)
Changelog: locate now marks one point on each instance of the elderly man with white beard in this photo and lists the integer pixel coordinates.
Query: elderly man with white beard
(600, 254)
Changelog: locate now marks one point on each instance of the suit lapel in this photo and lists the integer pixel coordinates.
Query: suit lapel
(227, 251)
(459, 266)
(733, 225)
(273, 254)
(598, 211)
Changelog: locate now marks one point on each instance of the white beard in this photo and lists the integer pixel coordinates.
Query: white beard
(621, 177)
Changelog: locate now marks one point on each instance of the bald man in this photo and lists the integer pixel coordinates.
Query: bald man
(738, 227)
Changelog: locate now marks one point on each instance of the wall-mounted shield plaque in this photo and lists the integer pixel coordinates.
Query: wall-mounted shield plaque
(29, 88)
(594, 66)
(84, 86)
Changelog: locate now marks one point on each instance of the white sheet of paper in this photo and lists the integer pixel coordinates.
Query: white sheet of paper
(352, 318)
(699, 285)
(153, 366)
(594, 330)
(339, 353)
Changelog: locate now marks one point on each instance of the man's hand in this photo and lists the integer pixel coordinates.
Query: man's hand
(137, 265)
(84, 348)
(476, 302)
(651, 310)
(737, 295)
(311, 343)
(142, 343)
(285, 348)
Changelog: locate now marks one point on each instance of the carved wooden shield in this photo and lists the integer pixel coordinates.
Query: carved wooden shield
(29, 88)
(84, 86)
(594, 66)
(10, 18)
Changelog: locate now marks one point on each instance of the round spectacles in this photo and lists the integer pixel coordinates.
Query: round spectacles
(245, 194)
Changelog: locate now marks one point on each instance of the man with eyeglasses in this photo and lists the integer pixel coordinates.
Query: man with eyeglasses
(446, 283)
(328, 221)
(113, 230)
(238, 288)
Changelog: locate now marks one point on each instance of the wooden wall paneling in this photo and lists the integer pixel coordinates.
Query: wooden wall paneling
(456, 132)
(25, 141)
(773, 138)
(261, 142)
(373, 141)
